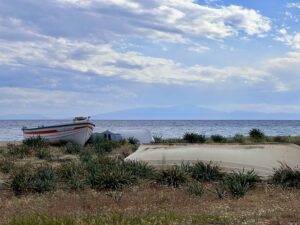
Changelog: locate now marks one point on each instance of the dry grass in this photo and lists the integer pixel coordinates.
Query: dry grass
(264, 205)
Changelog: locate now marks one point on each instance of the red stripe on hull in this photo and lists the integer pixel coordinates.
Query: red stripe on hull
(54, 131)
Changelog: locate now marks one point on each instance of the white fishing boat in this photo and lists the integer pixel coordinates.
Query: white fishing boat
(78, 131)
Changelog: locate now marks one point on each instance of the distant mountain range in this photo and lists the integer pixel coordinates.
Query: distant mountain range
(23, 117)
(171, 113)
(191, 113)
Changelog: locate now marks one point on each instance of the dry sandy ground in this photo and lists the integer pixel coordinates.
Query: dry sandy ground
(4, 143)
(263, 158)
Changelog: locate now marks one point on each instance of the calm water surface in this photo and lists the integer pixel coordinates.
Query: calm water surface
(11, 129)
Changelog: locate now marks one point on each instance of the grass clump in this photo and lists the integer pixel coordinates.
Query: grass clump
(35, 142)
(257, 135)
(239, 183)
(73, 174)
(43, 179)
(43, 154)
(287, 177)
(194, 138)
(109, 174)
(22, 180)
(102, 146)
(6, 165)
(218, 138)
(238, 138)
(172, 177)
(206, 172)
(196, 188)
(71, 148)
(19, 151)
(139, 169)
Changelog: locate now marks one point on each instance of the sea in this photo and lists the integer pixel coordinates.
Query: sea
(10, 130)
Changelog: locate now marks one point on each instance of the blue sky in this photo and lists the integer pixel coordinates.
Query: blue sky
(60, 58)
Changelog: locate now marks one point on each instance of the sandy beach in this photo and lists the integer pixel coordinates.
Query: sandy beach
(263, 158)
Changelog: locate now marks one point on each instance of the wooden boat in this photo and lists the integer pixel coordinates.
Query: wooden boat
(78, 131)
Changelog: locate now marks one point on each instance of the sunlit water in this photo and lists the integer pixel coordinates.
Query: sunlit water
(11, 129)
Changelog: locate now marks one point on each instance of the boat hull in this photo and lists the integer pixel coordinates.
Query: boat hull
(77, 133)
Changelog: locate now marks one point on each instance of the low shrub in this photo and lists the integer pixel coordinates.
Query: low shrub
(86, 155)
(22, 180)
(157, 139)
(139, 169)
(133, 141)
(73, 174)
(26, 179)
(206, 172)
(171, 177)
(43, 154)
(6, 166)
(257, 134)
(35, 142)
(239, 183)
(44, 179)
(194, 138)
(238, 138)
(281, 139)
(287, 177)
(71, 148)
(218, 138)
(220, 189)
(196, 188)
(103, 146)
(108, 174)
(19, 151)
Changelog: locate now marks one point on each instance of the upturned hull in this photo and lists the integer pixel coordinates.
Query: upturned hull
(77, 133)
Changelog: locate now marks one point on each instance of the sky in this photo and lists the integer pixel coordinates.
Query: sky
(61, 58)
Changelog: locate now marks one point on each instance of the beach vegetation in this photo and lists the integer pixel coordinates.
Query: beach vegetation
(26, 179)
(172, 177)
(19, 151)
(257, 134)
(43, 153)
(239, 183)
(287, 176)
(36, 142)
(239, 138)
(218, 138)
(133, 141)
(195, 188)
(22, 180)
(194, 138)
(6, 165)
(72, 148)
(206, 172)
(44, 179)
(139, 169)
(73, 174)
(108, 174)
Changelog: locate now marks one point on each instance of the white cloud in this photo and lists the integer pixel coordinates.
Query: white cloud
(294, 5)
(103, 60)
(288, 39)
(175, 20)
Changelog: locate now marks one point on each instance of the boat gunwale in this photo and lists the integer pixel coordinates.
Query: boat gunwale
(60, 125)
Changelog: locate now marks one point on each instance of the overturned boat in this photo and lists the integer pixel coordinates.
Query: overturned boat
(263, 158)
(78, 131)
